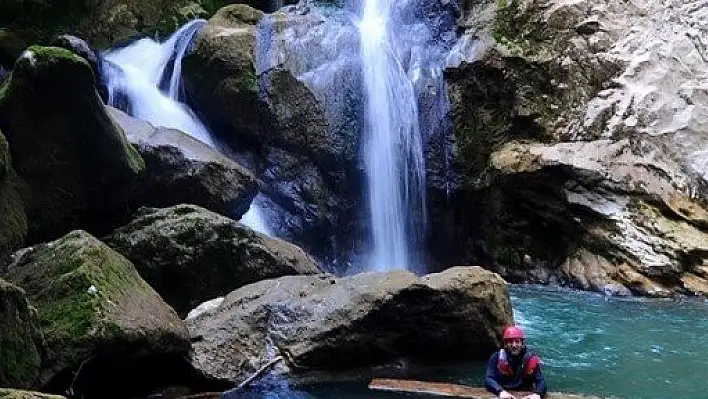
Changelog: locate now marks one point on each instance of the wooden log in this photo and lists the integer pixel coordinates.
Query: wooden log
(260, 371)
(449, 390)
(435, 388)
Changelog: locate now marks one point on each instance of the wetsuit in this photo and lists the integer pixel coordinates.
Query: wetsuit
(519, 373)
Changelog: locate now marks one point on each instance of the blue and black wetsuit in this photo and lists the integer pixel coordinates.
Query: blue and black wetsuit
(520, 373)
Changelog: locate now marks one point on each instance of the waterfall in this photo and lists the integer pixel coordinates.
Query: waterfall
(394, 154)
(134, 76)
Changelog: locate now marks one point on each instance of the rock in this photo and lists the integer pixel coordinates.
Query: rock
(78, 165)
(79, 47)
(180, 169)
(7, 393)
(103, 23)
(566, 157)
(13, 224)
(21, 342)
(339, 324)
(258, 90)
(219, 73)
(190, 255)
(303, 207)
(11, 46)
(125, 320)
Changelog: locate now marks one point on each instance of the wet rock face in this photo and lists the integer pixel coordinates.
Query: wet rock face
(337, 325)
(273, 85)
(578, 125)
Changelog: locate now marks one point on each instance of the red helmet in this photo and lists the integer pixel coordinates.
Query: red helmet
(513, 332)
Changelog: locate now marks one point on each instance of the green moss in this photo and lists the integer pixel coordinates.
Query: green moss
(69, 315)
(18, 338)
(518, 30)
(239, 14)
(50, 54)
(13, 224)
(246, 82)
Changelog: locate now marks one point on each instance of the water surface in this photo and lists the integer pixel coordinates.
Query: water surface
(632, 348)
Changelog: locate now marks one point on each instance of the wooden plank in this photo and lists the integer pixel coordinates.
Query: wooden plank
(435, 388)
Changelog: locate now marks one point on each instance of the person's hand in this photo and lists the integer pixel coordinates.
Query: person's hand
(506, 395)
(532, 396)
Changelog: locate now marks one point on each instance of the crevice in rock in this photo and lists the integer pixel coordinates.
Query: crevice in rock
(133, 374)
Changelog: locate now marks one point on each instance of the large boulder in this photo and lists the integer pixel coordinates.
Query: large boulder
(181, 169)
(338, 324)
(77, 163)
(81, 48)
(21, 342)
(287, 86)
(93, 304)
(13, 224)
(219, 73)
(577, 143)
(189, 254)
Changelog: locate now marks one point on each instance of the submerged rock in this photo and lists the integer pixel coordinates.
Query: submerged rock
(332, 325)
(92, 303)
(189, 254)
(21, 341)
(77, 164)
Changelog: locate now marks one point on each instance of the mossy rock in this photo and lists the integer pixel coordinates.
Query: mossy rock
(219, 74)
(11, 46)
(13, 224)
(21, 341)
(190, 254)
(91, 301)
(78, 165)
(101, 23)
(7, 393)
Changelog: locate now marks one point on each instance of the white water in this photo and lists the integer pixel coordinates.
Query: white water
(394, 154)
(140, 69)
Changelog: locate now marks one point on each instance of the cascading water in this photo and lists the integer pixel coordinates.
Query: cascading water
(135, 73)
(394, 153)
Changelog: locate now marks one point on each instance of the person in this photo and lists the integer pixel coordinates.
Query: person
(515, 367)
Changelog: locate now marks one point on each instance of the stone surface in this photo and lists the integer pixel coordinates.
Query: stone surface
(7, 393)
(13, 224)
(337, 325)
(77, 164)
(21, 341)
(91, 302)
(578, 133)
(180, 169)
(285, 87)
(190, 255)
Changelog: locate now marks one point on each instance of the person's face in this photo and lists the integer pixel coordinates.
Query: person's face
(514, 346)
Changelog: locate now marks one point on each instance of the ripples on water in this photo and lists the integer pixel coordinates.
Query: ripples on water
(631, 348)
(626, 347)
